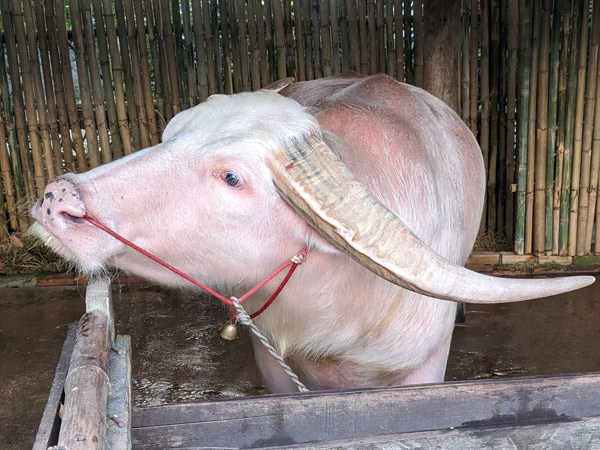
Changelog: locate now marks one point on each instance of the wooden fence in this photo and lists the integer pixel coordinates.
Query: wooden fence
(83, 83)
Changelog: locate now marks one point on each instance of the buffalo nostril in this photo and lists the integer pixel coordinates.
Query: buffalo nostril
(69, 217)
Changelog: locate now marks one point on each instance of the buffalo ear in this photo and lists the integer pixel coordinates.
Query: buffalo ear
(279, 85)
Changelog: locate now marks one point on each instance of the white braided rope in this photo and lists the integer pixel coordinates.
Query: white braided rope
(244, 319)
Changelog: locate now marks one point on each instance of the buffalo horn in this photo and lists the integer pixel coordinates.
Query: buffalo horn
(313, 180)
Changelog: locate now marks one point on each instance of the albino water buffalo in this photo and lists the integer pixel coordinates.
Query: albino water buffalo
(381, 181)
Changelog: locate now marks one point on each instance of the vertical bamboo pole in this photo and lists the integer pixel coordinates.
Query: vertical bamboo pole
(552, 122)
(506, 151)
(5, 170)
(21, 164)
(353, 35)
(262, 40)
(38, 89)
(474, 65)
(4, 231)
(268, 55)
(492, 218)
(299, 33)
(214, 24)
(201, 53)
(484, 137)
(67, 74)
(327, 60)
(127, 74)
(173, 23)
(150, 116)
(163, 89)
(208, 38)
(44, 56)
(381, 52)
(225, 39)
(171, 60)
(279, 39)
(532, 164)
(188, 56)
(578, 131)
(103, 56)
(254, 50)
(399, 32)
(525, 64)
(418, 42)
(27, 86)
(589, 147)
(290, 42)
(371, 37)
(307, 42)
(596, 158)
(563, 237)
(117, 72)
(335, 35)
(240, 72)
(465, 72)
(409, 66)
(92, 62)
(66, 145)
(561, 114)
(542, 130)
(91, 135)
(138, 94)
(9, 124)
(363, 37)
(389, 39)
(316, 40)
(157, 62)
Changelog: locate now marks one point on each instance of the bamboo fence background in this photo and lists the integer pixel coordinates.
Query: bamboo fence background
(83, 83)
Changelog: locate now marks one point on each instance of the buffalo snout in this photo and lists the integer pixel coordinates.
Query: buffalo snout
(60, 206)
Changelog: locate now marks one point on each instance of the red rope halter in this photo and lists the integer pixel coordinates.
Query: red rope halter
(291, 263)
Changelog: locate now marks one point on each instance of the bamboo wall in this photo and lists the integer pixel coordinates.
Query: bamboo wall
(83, 83)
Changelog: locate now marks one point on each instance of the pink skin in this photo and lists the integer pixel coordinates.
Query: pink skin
(337, 324)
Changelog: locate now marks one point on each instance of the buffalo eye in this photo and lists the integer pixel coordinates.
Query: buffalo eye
(232, 179)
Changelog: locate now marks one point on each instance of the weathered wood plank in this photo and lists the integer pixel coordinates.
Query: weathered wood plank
(118, 409)
(579, 435)
(47, 434)
(359, 414)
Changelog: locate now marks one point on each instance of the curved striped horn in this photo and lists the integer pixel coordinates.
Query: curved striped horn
(313, 180)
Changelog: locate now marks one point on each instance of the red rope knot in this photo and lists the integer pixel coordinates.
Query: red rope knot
(300, 257)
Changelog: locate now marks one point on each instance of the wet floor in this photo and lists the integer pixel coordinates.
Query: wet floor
(178, 355)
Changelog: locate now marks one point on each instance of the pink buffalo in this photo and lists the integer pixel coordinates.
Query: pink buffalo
(379, 180)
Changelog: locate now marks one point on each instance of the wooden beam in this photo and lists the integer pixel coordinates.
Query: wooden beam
(315, 417)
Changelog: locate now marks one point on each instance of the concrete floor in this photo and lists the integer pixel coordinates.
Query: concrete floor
(178, 355)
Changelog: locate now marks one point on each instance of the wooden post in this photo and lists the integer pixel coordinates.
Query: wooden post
(87, 383)
(442, 41)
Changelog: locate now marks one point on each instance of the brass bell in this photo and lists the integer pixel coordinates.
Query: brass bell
(229, 331)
